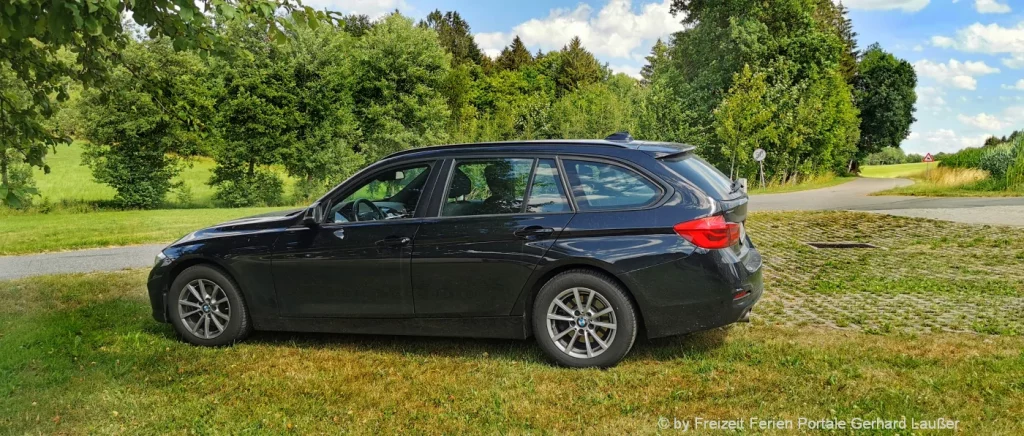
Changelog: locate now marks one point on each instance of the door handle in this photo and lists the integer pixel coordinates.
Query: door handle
(533, 231)
(394, 241)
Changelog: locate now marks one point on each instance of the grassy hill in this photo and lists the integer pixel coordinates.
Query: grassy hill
(898, 170)
(70, 182)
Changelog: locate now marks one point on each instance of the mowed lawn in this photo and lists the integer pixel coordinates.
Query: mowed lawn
(67, 230)
(80, 354)
(895, 171)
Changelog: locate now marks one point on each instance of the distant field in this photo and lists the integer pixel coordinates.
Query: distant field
(38, 232)
(71, 182)
(894, 171)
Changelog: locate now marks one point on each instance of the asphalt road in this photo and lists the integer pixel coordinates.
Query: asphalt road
(848, 196)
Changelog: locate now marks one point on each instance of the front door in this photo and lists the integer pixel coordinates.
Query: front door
(475, 258)
(356, 264)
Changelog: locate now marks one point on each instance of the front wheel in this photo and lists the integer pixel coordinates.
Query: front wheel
(584, 319)
(206, 307)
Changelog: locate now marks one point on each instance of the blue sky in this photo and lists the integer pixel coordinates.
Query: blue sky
(969, 54)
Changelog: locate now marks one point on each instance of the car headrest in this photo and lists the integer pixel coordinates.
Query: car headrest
(461, 184)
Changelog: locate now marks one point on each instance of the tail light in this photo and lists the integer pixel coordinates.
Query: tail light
(712, 232)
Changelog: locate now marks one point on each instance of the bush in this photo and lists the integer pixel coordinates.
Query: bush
(20, 186)
(888, 156)
(953, 177)
(260, 188)
(966, 158)
(996, 160)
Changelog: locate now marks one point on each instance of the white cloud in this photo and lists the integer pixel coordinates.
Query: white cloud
(931, 98)
(954, 73)
(629, 70)
(983, 121)
(614, 31)
(990, 39)
(1019, 86)
(372, 8)
(918, 47)
(991, 7)
(905, 5)
(948, 141)
(1015, 62)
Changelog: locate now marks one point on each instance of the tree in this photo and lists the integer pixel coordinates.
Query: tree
(398, 69)
(35, 33)
(135, 145)
(884, 93)
(454, 35)
(743, 120)
(515, 56)
(578, 67)
(655, 61)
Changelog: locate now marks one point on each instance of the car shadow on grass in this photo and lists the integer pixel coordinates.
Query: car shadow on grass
(662, 349)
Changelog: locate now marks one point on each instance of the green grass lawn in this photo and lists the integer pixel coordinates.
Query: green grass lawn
(926, 328)
(895, 171)
(70, 182)
(66, 230)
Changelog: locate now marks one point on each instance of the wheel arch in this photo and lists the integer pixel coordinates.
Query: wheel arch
(187, 263)
(527, 301)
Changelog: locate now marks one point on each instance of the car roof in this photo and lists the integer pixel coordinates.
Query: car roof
(650, 147)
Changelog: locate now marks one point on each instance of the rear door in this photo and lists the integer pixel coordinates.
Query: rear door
(498, 216)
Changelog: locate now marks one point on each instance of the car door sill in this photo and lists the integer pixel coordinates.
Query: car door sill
(498, 327)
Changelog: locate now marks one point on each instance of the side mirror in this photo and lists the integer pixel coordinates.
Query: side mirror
(313, 216)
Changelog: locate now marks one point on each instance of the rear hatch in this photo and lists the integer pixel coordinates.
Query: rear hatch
(730, 196)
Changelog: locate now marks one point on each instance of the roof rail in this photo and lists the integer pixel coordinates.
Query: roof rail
(620, 136)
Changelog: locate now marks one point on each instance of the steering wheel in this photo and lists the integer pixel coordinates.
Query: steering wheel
(373, 207)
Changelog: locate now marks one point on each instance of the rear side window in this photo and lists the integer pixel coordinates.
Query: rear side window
(487, 187)
(547, 195)
(702, 174)
(604, 186)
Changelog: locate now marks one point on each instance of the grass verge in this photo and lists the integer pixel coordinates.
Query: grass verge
(80, 355)
(819, 182)
(895, 171)
(954, 182)
(64, 230)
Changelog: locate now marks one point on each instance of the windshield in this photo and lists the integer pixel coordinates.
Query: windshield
(697, 171)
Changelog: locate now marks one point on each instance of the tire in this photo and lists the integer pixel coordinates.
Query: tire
(225, 308)
(607, 345)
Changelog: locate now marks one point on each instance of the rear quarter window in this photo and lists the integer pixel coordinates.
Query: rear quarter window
(702, 174)
(605, 186)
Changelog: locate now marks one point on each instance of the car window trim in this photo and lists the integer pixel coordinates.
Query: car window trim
(431, 163)
(660, 199)
(561, 180)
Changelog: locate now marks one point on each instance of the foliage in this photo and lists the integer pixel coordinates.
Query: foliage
(884, 92)
(47, 44)
(595, 110)
(135, 142)
(967, 158)
(743, 119)
(399, 69)
(997, 160)
(515, 56)
(577, 67)
(887, 156)
(454, 35)
(795, 51)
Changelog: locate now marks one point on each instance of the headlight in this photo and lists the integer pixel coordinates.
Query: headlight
(160, 258)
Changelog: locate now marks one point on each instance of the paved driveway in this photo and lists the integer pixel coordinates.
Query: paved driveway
(854, 196)
(848, 196)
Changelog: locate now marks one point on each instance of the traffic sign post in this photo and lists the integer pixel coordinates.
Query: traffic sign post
(759, 156)
(927, 160)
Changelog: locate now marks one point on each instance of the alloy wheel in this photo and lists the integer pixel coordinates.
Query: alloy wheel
(204, 308)
(581, 322)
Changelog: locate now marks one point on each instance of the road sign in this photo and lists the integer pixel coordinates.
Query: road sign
(928, 158)
(759, 155)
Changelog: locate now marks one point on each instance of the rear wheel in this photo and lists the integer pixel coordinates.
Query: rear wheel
(584, 319)
(206, 307)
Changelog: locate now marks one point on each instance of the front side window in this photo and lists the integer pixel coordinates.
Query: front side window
(390, 194)
(487, 187)
(604, 186)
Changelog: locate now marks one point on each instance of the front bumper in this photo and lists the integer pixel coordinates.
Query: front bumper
(157, 287)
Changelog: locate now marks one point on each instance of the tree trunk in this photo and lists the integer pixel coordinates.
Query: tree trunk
(3, 167)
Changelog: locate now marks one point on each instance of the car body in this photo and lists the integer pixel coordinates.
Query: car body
(454, 264)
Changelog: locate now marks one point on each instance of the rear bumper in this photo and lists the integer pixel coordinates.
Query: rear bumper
(697, 293)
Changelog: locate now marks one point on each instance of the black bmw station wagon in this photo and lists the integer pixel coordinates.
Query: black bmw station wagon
(583, 244)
